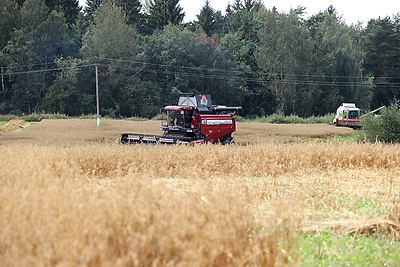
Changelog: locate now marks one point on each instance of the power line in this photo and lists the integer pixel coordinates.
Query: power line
(237, 71)
(248, 79)
(168, 66)
(29, 65)
(218, 74)
(179, 68)
(48, 70)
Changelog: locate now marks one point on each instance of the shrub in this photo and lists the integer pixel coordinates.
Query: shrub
(280, 118)
(33, 117)
(36, 117)
(159, 117)
(384, 128)
(8, 117)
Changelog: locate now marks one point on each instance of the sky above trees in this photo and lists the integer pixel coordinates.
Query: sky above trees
(352, 11)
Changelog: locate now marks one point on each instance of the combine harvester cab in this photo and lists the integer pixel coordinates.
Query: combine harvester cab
(193, 120)
(348, 115)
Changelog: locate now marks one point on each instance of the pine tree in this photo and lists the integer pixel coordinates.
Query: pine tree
(91, 7)
(70, 8)
(132, 8)
(164, 12)
(207, 20)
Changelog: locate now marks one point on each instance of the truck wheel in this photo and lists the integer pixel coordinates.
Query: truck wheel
(226, 139)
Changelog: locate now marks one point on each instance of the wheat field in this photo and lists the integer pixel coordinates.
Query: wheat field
(103, 204)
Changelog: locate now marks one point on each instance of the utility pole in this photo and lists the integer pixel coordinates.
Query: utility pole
(2, 81)
(97, 96)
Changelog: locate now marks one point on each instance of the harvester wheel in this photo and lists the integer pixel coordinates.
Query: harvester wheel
(226, 139)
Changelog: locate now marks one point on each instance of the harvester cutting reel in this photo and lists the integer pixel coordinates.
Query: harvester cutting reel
(138, 138)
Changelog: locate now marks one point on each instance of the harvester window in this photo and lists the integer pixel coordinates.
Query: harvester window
(175, 118)
(353, 114)
(188, 118)
(180, 118)
(171, 114)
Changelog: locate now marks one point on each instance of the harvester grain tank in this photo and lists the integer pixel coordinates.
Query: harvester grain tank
(193, 120)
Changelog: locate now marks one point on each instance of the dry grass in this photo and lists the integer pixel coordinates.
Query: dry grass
(129, 223)
(103, 205)
(210, 160)
(82, 206)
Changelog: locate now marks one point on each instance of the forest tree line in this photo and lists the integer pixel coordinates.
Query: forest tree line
(251, 56)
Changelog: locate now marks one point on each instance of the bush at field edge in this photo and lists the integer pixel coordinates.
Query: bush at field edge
(385, 127)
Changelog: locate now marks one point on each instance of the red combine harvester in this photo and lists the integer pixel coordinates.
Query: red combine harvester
(194, 120)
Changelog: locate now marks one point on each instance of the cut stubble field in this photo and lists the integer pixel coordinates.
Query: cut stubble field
(77, 131)
(69, 195)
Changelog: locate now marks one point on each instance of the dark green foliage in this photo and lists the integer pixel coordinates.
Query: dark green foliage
(108, 42)
(69, 8)
(211, 21)
(243, 21)
(385, 127)
(243, 17)
(382, 60)
(164, 12)
(132, 9)
(265, 61)
(8, 20)
(336, 64)
(207, 19)
(65, 96)
(91, 7)
(286, 48)
(181, 61)
(36, 43)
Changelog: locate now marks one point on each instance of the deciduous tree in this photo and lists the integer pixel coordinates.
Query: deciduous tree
(36, 43)
(66, 95)
(284, 56)
(70, 8)
(8, 20)
(111, 42)
(338, 59)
